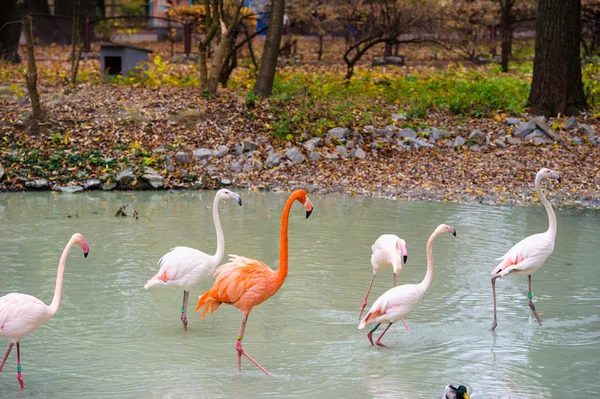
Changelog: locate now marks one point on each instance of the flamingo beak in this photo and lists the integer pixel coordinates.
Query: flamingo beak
(308, 206)
(405, 258)
(86, 249)
(238, 199)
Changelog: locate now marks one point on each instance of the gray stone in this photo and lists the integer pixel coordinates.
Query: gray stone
(225, 182)
(385, 132)
(24, 100)
(595, 140)
(360, 153)
(512, 121)
(125, 177)
(459, 142)
(337, 132)
(170, 168)
(541, 140)
(393, 128)
(370, 129)
(399, 117)
(408, 132)
(524, 129)
(314, 156)
(313, 143)
(535, 133)
(80, 175)
(501, 133)
(571, 123)
(588, 130)
(204, 153)
(350, 145)
(514, 140)
(477, 134)
(249, 145)
(274, 159)
(420, 143)
(341, 150)
(262, 140)
(222, 150)
(239, 148)
(235, 167)
(68, 189)
(352, 152)
(109, 187)
(153, 178)
(92, 184)
(332, 157)
(499, 143)
(576, 140)
(294, 155)
(397, 60)
(540, 122)
(252, 164)
(438, 134)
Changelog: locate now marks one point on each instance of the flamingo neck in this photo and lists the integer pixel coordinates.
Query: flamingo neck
(551, 216)
(424, 285)
(220, 239)
(59, 278)
(283, 240)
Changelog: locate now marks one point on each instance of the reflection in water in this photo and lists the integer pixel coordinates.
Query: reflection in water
(112, 338)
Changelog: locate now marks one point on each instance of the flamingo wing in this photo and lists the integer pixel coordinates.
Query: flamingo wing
(182, 266)
(530, 251)
(20, 314)
(392, 305)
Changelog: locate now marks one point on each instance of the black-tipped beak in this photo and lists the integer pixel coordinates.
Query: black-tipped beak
(85, 254)
(239, 201)
(454, 233)
(405, 258)
(308, 213)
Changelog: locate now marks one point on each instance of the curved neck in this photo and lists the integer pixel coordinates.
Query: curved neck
(551, 216)
(220, 239)
(283, 240)
(59, 278)
(424, 285)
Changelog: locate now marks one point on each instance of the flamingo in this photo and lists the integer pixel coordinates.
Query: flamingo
(397, 302)
(186, 267)
(245, 283)
(21, 314)
(529, 254)
(388, 251)
(452, 392)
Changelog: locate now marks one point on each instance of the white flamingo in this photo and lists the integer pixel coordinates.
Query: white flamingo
(388, 251)
(21, 314)
(529, 254)
(397, 302)
(186, 267)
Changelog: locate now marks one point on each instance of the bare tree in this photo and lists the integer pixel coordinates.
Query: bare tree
(10, 30)
(268, 63)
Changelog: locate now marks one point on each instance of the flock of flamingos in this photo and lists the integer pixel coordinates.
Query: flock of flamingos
(245, 283)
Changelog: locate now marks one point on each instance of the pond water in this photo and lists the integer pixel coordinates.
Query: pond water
(112, 338)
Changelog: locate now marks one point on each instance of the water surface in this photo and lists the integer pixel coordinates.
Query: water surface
(112, 338)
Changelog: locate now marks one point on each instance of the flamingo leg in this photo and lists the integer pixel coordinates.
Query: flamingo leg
(19, 376)
(370, 334)
(531, 305)
(184, 309)
(6, 356)
(366, 296)
(240, 350)
(495, 322)
(394, 279)
(378, 342)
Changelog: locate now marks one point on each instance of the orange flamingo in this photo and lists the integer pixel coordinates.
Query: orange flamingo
(245, 283)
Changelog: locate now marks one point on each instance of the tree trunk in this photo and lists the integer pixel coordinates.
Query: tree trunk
(557, 84)
(43, 27)
(39, 113)
(268, 62)
(505, 15)
(9, 35)
(88, 8)
(212, 25)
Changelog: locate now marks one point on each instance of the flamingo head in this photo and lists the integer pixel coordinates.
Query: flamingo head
(546, 173)
(402, 248)
(224, 193)
(80, 241)
(445, 229)
(302, 196)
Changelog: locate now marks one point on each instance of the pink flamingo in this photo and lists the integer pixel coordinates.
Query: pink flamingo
(529, 254)
(397, 302)
(21, 314)
(186, 267)
(388, 251)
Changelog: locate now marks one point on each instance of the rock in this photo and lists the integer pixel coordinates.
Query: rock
(384, 132)
(24, 100)
(397, 60)
(588, 130)
(595, 140)
(350, 145)
(235, 167)
(332, 157)
(398, 117)
(1, 172)
(252, 164)
(408, 132)
(249, 145)
(459, 142)
(314, 156)
(274, 159)
(204, 153)
(38, 184)
(541, 123)
(170, 168)
(437, 134)
(541, 140)
(477, 135)
(239, 148)
(501, 133)
(341, 150)
(512, 121)
(262, 140)
(68, 189)
(571, 123)
(225, 182)
(338, 132)
(183, 157)
(369, 129)
(576, 140)
(222, 150)
(360, 153)
(153, 178)
(313, 143)
(125, 177)
(420, 143)
(514, 140)
(499, 143)
(92, 184)
(109, 187)
(294, 155)
(524, 129)
(534, 134)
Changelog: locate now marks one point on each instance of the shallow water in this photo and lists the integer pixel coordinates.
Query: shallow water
(112, 338)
